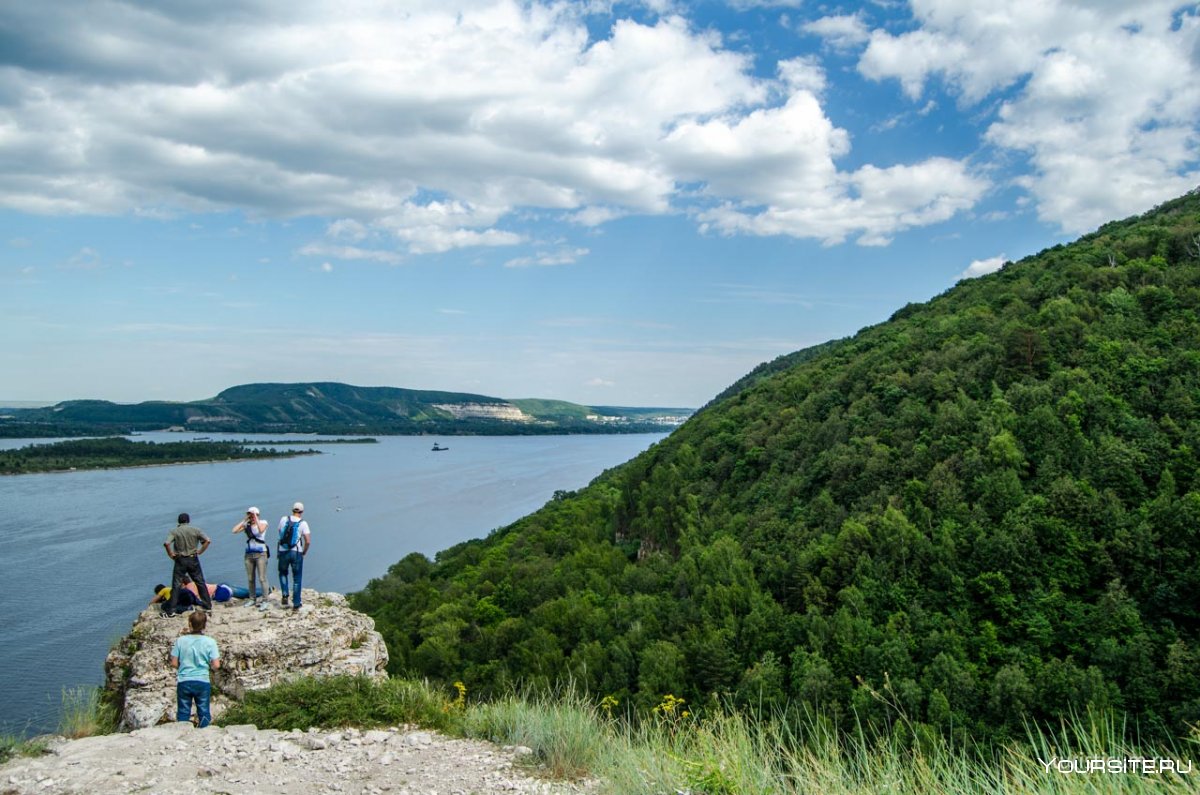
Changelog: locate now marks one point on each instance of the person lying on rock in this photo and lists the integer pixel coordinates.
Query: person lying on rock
(193, 656)
(186, 601)
(189, 596)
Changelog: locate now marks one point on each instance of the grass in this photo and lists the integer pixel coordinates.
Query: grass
(566, 734)
(720, 752)
(86, 712)
(726, 752)
(13, 746)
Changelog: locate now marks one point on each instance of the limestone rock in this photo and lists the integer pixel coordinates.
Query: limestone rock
(258, 649)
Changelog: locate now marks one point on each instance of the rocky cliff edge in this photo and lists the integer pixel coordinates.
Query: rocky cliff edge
(259, 648)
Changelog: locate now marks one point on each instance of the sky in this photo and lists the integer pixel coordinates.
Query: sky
(624, 204)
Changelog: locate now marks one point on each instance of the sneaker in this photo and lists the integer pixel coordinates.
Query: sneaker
(264, 607)
(296, 607)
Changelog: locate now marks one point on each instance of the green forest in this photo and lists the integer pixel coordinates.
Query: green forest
(982, 512)
(111, 452)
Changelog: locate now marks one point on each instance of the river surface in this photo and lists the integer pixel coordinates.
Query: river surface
(81, 551)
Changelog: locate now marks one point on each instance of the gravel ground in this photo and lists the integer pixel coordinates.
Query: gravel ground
(241, 760)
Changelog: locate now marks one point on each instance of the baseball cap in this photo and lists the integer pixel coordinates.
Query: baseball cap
(298, 506)
(252, 510)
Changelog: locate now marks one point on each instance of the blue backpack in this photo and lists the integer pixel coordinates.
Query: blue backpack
(289, 535)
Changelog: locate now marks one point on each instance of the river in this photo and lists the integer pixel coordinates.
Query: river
(81, 551)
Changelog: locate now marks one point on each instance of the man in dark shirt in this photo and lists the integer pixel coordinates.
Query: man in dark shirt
(185, 544)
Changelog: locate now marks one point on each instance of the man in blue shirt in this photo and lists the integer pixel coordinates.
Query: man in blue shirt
(194, 655)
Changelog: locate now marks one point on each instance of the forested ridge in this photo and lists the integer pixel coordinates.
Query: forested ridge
(332, 408)
(983, 511)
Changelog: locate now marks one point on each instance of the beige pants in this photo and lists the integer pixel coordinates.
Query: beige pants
(256, 563)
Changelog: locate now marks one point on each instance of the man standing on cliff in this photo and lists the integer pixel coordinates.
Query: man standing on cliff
(294, 542)
(185, 544)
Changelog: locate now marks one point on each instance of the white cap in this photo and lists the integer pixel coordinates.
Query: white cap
(298, 507)
(252, 510)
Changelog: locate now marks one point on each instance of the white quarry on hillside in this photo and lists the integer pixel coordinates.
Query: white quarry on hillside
(491, 411)
(258, 649)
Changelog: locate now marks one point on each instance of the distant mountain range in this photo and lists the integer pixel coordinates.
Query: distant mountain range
(337, 408)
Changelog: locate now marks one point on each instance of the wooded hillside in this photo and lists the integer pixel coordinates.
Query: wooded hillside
(983, 510)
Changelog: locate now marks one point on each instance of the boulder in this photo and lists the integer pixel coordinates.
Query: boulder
(258, 649)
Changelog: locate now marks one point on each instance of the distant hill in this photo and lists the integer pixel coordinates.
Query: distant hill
(338, 409)
(983, 511)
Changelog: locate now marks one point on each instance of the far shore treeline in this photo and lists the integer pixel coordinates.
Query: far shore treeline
(336, 409)
(114, 452)
(980, 513)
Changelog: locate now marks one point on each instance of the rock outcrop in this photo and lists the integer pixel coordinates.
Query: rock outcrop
(258, 649)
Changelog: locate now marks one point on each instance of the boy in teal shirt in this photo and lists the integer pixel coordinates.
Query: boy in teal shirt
(194, 655)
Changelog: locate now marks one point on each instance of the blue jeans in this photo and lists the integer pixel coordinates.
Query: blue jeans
(188, 691)
(295, 561)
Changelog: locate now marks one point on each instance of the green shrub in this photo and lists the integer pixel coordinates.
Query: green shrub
(342, 701)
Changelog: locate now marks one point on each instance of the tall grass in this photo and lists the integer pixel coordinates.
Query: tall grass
(86, 712)
(567, 735)
(730, 752)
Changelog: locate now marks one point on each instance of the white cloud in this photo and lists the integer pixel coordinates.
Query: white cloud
(87, 259)
(426, 124)
(1103, 97)
(803, 74)
(349, 253)
(595, 216)
(841, 32)
(347, 229)
(604, 382)
(562, 256)
(746, 5)
(982, 267)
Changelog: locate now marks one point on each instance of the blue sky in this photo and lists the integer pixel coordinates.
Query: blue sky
(610, 203)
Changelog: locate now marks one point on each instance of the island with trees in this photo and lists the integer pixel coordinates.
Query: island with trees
(115, 452)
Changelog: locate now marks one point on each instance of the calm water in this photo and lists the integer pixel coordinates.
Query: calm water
(80, 551)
